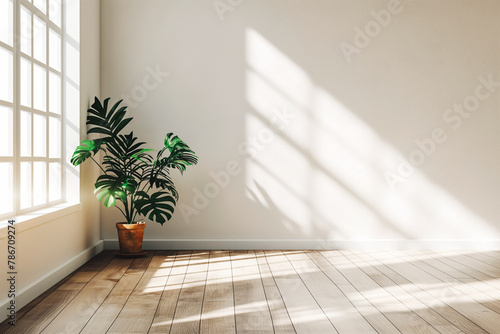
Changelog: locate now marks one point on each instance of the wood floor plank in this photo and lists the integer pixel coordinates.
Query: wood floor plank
(422, 310)
(109, 310)
(479, 280)
(138, 312)
(88, 299)
(279, 315)
(165, 311)
(50, 305)
(480, 292)
(484, 317)
(397, 312)
(251, 307)
(450, 259)
(469, 260)
(187, 317)
(364, 307)
(422, 294)
(444, 303)
(491, 254)
(280, 292)
(337, 307)
(217, 314)
(305, 313)
(493, 263)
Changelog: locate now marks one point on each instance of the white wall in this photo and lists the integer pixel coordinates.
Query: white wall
(316, 134)
(51, 247)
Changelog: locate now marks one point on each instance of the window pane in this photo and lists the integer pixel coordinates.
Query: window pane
(6, 70)
(39, 136)
(6, 21)
(54, 181)
(39, 39)
(6, 133)
(54, 137)
(55, 11)
(25, 191)
(54, 50)
(42, 5)
(25, 31)
(25, 81)
(54, 93)
(39, 88)
(7, 194)
(25, 134)
(39, 183)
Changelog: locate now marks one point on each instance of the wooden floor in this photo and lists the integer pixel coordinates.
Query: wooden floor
(274, 292)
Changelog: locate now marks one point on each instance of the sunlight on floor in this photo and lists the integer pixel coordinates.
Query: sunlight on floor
(425, 295)
(415, 296)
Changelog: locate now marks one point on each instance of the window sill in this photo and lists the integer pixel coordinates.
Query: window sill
(36, 218)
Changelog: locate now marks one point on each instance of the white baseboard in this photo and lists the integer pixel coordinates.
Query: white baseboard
(241, 244)
(42, 284)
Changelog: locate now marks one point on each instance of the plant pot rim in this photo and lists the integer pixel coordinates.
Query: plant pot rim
(134, 226)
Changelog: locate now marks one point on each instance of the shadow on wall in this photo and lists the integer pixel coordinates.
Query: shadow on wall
(352, 123)
(326, 120)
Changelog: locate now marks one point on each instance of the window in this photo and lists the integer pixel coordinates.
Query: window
(35, 36)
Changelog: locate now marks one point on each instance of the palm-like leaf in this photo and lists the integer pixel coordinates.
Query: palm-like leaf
(158, 207)
(108, 123)
(127, 156)
(180, 156)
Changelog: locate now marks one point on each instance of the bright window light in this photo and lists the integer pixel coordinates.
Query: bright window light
(33, 156)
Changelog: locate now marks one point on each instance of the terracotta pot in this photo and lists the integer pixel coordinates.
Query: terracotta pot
(130, 237)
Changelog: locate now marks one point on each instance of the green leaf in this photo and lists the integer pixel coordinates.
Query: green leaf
(110, 187)
(84, 151)
(97, 106)
(111, 112)
(109, 123)
(100, 130)
(158, 207)
(140, 155)
(180, 156)
(121, 125)
(130, 185)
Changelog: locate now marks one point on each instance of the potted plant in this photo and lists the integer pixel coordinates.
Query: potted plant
(131, 177)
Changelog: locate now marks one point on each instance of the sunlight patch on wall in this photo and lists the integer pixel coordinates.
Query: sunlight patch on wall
(280, 71)
(321, 168)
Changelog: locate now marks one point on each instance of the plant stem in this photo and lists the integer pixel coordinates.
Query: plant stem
(127, 215)
(98, 164)
(131, 212)
(123, 213)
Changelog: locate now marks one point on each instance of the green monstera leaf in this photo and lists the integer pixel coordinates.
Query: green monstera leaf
(110, 187)
(84, 151)
(158, 207)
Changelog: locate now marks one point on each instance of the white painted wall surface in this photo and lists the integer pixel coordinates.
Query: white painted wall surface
(311, 105)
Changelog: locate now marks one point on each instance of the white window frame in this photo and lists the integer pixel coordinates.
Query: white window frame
(48, 206)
